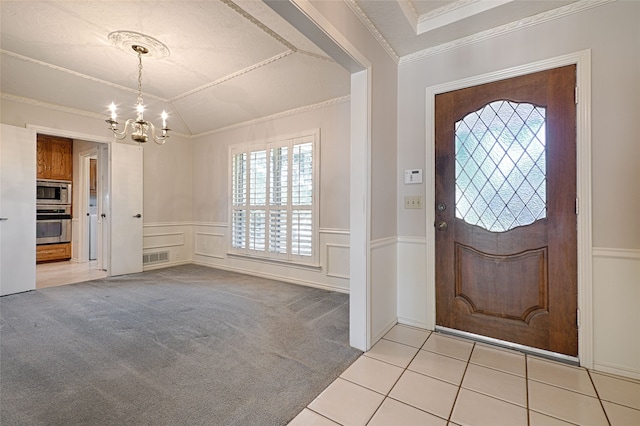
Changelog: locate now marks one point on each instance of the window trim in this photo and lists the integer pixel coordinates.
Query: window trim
(312, 136)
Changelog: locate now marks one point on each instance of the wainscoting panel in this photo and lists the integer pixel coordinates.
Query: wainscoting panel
(616, 317)
(337, 260)
(210, 247)
(384, 291)
(210, 244)
(412, 282)
(158, 239)
(162, 240)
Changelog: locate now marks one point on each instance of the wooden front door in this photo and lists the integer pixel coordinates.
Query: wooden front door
(506, 256)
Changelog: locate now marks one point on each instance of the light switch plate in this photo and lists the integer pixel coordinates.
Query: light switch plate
(412, 202)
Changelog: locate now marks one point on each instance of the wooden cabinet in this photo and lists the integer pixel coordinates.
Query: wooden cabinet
(51, 252)
(93, 168)
(55, 158)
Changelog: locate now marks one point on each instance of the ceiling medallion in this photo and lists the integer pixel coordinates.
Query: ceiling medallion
(125, 40)
(140, 45)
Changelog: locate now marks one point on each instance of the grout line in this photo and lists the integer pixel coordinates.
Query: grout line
(404, 370)
(526, 387)
(460, 385)
(320, 414)
(595, 389)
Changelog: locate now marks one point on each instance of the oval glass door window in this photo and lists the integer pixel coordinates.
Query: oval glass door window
(501, 166)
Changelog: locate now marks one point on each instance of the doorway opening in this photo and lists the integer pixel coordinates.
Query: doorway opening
(90, 236)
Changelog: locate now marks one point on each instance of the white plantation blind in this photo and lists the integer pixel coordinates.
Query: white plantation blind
(274, 209)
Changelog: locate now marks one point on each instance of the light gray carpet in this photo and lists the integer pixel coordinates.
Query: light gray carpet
(187, 345)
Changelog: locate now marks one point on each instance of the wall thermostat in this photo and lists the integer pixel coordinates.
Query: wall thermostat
(413, 176)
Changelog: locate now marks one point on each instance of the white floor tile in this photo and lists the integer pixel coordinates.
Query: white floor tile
(569, 406)
(496, 384)
(499, 359)
(347, 403)
(438, 366)
(407, 335)
(619, 391)
(620, 415)
(476, 409)
(373, 374)
(449, 346)
(310, 418)
(436, 383)
(575, 379)
(537, 419)
(392, 352)
(425, 393)
(392, 412)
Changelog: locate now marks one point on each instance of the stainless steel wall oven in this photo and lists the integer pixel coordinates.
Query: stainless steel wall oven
(53, 224)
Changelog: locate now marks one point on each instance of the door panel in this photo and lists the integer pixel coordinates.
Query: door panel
(17, 210)
(126, 209)
(506, 263)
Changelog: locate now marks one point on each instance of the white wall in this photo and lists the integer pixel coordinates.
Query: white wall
(211, 194)
(613, 35)
(382, 251)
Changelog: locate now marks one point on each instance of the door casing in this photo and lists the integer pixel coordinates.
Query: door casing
(582, 60)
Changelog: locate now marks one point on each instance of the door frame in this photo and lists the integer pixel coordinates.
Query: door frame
(582, 60)
(106, 141)
(83, 191)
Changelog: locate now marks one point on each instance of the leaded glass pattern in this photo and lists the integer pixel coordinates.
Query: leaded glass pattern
(500, 171)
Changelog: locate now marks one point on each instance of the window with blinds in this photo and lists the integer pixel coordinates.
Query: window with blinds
(274, 201)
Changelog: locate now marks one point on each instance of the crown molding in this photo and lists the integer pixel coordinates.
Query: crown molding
(276, 116)
(453, 12)
(505, 29)
(47, 105)
(247, 16)
(372, 29)
(232, 76)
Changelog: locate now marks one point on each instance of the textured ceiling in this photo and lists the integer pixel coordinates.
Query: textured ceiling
(230, 61)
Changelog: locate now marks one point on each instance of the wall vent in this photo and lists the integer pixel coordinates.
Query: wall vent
(157, 257)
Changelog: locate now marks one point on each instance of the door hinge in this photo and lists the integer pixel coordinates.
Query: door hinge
(578, 318)
(576, 95)
(577, 206)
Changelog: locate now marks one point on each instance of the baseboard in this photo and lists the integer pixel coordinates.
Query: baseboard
(617, 370)
(273, 277)
(412, 323)
(384, 331)
(165, 265)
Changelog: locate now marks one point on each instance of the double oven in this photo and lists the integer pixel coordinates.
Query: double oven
(53, 212)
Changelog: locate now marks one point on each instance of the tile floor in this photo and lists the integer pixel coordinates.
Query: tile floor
(62, 273)
(414, 377)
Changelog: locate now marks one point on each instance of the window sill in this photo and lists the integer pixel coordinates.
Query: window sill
(288, 263)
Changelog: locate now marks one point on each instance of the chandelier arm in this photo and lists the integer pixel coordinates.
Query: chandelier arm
(160, 140)
(113, 125)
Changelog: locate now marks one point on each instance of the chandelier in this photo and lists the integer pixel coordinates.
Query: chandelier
(139, 128)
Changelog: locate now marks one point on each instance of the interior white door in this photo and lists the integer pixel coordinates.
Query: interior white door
(17, 210)
(126, 208)
(102, 230)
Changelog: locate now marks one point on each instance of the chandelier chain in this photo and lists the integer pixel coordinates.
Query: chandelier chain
(139, 78)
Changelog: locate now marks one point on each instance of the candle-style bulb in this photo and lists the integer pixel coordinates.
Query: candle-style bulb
(164, 116)
(112, 108)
